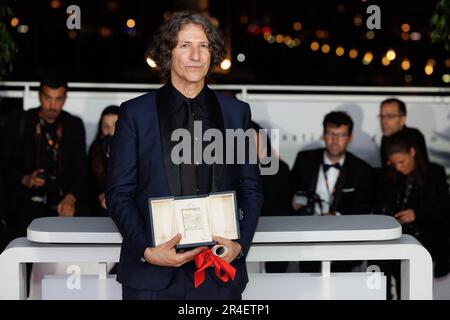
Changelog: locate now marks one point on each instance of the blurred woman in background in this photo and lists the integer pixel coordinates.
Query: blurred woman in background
(416, 193)
(98, 160)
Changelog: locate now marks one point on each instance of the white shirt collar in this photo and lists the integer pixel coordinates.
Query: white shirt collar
(327, 160)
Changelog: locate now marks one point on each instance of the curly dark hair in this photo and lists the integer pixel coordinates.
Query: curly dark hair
(338, 118)
(166, 40)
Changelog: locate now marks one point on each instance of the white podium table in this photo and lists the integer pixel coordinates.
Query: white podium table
(301, 238)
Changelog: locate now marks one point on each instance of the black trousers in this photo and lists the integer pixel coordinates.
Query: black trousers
(182, 288)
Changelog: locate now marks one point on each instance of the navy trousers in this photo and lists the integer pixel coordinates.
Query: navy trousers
(182, 288)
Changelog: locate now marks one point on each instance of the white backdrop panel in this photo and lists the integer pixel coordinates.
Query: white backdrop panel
(299, 118)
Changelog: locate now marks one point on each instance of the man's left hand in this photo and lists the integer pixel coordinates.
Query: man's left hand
(233, 247)
(66, 208)
(406, 216)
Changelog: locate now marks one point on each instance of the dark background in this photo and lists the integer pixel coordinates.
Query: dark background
(105, 50)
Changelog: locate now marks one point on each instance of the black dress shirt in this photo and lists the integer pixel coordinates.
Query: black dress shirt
(196, 176)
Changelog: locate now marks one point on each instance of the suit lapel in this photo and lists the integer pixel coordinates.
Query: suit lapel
(315, 171)
(166, 128)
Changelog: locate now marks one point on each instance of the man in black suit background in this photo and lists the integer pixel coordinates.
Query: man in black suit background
(332, 180)
(392, 120)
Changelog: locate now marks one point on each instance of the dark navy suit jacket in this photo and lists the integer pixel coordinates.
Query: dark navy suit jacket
(140, 168)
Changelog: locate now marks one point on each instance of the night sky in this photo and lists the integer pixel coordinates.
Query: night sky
(106, 50)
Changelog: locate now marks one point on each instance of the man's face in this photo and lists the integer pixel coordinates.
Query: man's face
(336, 140)
(191, 57)
(52, 102)
(403, 162)
(391, 120)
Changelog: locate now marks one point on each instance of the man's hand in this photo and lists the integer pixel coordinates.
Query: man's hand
(233, 247)
(66, 208)
(295, 204)
(102, 200)
(165, 255)
(406, 216)
(32, 180)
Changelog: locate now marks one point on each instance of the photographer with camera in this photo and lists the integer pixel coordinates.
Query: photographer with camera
(331, 180)
(44, 157)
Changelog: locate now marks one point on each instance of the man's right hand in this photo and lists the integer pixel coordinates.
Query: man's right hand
(33, 179)
(295, 204)
(165, 255)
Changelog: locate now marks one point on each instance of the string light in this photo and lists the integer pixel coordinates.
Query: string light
(405, 27)
(385, 61)
(447, 63)
(14, 22)
(353, 53)
(404, 36)
(55, 4)
(240, 57)
(415, 36)
(72, 34)
(325, 48)
(406, 64)
(340, 51)
(267, 36)
(314, 46)
(429, 70)
(357, 20)
(429, 67)
(408, 78)
(226, 64)
(287, 40)
(297, 26)
(368, 57)
(321, 34)
(151, 62)
(23, 28)
(390, 54)
(370, 35)
(279, 38)
(131, 23)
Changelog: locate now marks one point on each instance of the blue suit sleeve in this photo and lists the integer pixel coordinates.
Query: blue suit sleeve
(122, 184)
(249, 195)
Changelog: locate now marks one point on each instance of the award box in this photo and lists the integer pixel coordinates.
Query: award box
(196, 218)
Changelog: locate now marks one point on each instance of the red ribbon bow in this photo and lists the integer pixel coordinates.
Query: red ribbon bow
(206, 259)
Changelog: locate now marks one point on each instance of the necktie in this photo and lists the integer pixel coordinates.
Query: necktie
(188, 170)
(328, 166)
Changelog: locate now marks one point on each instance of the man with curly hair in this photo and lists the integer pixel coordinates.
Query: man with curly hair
(186, 48)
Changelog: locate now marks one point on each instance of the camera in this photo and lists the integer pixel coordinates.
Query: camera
(307, 200)
(50, 193)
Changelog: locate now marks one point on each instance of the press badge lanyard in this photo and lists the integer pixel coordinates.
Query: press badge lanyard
(327, 185)
(401, 204)
(54, 145)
